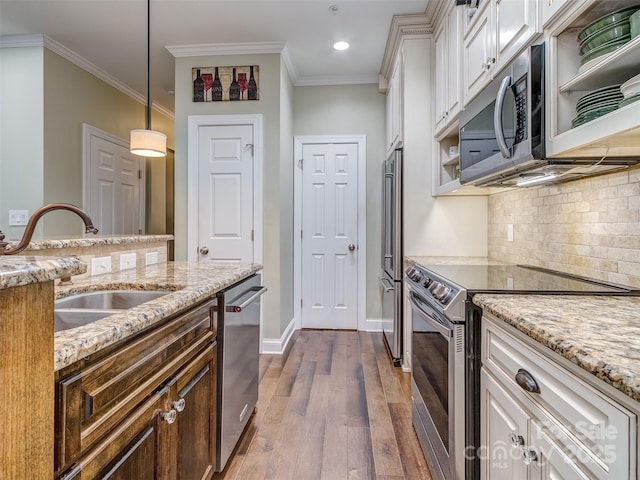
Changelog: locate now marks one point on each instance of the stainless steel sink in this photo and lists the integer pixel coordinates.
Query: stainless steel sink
(109, 299)
(86, 308)
(72, 318)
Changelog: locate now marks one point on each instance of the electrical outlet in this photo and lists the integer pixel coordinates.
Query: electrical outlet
(100, 265)
(151, 258)
(18, 218)
(127, 261)
(510, 232)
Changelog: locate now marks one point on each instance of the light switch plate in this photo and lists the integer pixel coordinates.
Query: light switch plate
(127, 261)
(18, 218)
(100, 265)
(151, 258)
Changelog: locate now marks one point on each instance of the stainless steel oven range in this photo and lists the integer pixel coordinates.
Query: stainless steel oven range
(445, 379)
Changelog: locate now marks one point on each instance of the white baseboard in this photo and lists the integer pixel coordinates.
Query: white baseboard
(277, 346)
(375, 325)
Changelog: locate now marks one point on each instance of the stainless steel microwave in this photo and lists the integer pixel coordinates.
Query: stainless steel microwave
(502, 132)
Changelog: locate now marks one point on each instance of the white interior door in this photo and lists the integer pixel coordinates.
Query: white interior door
(329, 245)
(114, 194)
(225, 193)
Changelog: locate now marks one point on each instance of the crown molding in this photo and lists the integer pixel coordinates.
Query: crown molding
(336, 80)
(225, 49)
(288, 63)
(69, 55)
(17, 41)
(403, 27)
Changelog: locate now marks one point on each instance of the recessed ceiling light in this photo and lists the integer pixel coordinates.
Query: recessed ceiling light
(341, 45)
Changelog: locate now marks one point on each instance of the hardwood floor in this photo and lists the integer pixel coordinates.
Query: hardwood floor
(332, 408)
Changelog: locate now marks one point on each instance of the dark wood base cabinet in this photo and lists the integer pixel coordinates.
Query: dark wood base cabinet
(145, 409)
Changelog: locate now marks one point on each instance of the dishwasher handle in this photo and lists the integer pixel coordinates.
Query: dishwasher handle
(255, 293)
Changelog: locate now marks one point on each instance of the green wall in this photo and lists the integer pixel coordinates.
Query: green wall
(352, 110)
(45, 101)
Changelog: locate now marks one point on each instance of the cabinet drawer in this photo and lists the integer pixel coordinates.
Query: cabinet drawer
(601, 426)
(95, 399)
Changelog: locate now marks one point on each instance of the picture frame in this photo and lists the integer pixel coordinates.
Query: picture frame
(225, 83)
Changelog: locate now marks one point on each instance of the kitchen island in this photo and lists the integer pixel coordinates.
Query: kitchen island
(188, 282)
(33, 359)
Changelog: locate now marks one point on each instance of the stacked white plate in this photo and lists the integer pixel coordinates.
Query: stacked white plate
(630, 91)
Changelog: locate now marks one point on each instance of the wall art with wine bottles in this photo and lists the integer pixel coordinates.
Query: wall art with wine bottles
(222, 84)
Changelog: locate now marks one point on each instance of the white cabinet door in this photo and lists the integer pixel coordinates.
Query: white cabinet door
(447, 85)
(548, 10)
(516, 22)
(394, 106)
(478, 56)
(440, 39)
(504, 427)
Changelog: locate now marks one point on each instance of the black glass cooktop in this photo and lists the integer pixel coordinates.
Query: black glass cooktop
(519, 279)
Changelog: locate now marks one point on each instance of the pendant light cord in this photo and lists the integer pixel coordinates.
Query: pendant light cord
(148, 64)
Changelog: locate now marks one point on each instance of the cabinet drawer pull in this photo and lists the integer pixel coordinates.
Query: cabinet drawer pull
(169, 416)
(526, 381)
(516, 440)
(178, 404)
(529, 456)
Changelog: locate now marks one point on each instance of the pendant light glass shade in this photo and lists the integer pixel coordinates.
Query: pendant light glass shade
(148, 143)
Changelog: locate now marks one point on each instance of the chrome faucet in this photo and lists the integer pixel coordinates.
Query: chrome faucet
(33, 220)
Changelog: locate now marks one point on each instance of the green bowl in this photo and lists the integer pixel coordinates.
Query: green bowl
(634, 24)
(608, 34)
(604, 49)
(607, 19)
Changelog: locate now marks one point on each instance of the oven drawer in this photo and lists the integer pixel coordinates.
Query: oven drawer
(584, 415)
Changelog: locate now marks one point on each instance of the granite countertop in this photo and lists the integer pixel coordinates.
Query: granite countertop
(16, 271)
(94, 241)
(601, 334)
(188, 282)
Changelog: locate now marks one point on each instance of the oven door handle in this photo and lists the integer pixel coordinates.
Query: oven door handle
(255, 291)
(443, 330)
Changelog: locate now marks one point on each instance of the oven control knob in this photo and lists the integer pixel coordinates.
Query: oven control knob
(427, 283)
(415, 275)
(439, 291)
(446, 296)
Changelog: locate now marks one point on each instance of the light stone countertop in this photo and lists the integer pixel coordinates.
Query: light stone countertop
(16, 271)
(189, 283)
(94, 241)
(600, 334)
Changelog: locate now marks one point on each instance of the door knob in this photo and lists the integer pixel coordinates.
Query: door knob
(352, 247)
(204, 250)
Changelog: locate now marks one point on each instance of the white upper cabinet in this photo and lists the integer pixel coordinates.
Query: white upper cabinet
(447, 39)
(478, 54)
(548, 9)
(394, 106)
(496, 32)
(568, 79)
(516, 23)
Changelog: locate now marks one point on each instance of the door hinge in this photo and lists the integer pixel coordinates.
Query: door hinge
(300, 162)
(300, 234)
(252, 236)
(300, 303)
(139, 174)
(249, 146)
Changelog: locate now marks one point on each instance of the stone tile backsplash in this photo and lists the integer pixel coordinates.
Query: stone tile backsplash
(588, 227)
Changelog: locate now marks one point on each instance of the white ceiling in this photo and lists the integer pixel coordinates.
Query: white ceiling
(111, 34)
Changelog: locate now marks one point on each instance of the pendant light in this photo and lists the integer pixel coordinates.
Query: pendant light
(147, 142)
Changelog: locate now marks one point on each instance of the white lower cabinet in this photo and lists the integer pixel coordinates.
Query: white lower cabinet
(540, 420)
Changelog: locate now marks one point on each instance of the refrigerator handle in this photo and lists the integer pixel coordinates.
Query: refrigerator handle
(386, 284)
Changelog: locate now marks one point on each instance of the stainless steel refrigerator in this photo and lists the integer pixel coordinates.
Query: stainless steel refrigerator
(390, 279)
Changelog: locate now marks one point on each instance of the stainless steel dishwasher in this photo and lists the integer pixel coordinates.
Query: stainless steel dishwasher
(238, 360)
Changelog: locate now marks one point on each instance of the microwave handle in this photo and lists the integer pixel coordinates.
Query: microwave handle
(497, 117)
